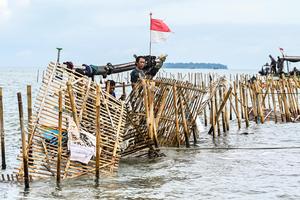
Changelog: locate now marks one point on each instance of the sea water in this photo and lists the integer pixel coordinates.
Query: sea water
(263, 164)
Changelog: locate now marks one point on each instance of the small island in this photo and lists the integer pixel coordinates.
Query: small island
(192, 65)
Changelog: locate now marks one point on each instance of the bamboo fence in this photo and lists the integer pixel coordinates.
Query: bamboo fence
(79, 99)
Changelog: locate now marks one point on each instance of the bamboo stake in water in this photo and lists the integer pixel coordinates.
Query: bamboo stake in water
(254, 103)
(213, 118)
(59, 147)
(242, 100)
(2, 131)
(152, 126)
(24, 151)
(217, 117)
(222, 112)
(186, 131)
(204, 109)
(205, 116)
(237, 105)
(147, 110)
(261, 104)
(176, 115)
(29, 109)
(280, 101)
(220, 109)
(274, 102)
(230, 103)
(245, 97)
(97, 132)
(285, 103)
(226, 112)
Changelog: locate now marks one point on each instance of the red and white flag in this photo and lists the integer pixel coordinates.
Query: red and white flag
(159, 31)
(281, 50)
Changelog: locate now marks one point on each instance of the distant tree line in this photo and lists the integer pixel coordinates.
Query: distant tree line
(192, 65)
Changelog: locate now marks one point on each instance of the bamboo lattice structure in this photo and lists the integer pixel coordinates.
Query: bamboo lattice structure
(79, 104)
(163, 112)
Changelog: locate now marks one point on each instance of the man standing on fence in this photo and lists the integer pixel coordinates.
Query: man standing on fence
(138, 72)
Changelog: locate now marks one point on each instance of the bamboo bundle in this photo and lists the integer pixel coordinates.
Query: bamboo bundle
(163, 112)
(271, 99)
(79, 101)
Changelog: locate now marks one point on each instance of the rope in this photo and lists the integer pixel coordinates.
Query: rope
(245, 148)
(234, 148)
(276, 93)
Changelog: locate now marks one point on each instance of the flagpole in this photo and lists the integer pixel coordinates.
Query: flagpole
(150, 34)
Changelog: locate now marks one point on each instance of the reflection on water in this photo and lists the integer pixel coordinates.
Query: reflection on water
(193, 173)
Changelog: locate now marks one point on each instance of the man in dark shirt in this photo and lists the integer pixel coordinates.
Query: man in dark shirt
(280, 65)
(138, 72)
(273, 65)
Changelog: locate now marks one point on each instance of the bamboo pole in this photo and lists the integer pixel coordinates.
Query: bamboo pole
(217, 117)
(59, 138)
(274, 102)
(107, 86)
(97, 132)
(204, 109)
(237, 105)
(151, 112)
(226, 111)
(205, 116)
(242, 100)
(213, 117)
(123, 97)
(280, 101)
(254, 103)
(286, 105)
(73, 104)
(222, 112)
(221, 107)
(269, 100)
(29, 109)
(245, 97)
(162, 106)
(25, 158)
(147, 110)
(176, 114)
(186, 130)
(291, 98)
(259, 103)
(230, 104)
(2, 131)
(296, 98)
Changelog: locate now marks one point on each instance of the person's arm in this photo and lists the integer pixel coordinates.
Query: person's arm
(133, 78)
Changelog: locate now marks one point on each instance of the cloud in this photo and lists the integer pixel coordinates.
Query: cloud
(195, 12)
(24, 53)
(96, 31)
(8, 8)
(23, 3)
(5, 12)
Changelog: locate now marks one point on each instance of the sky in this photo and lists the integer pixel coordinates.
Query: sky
(238, 33)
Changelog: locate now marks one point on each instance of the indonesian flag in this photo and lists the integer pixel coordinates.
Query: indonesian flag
(281, 50)
(159, 31)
